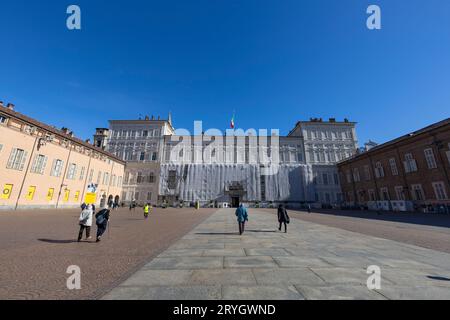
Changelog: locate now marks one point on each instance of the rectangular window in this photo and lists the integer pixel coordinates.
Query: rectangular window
(91, 175)
(356, 176)
(325, 178)
(400, 193)
(172, 182)
(379, 170)
(99, 177)
(154, 156)
(106, 178)
(77, 196)
(39, 163)
(57, 168)
(385, 194)
(82, 173)
(3, 120)
(393, 165)
(417, 192)
(429, 157)
(410, 163)
(439, 191)
(336, 179)
(372, 196)
(142, 156)
(1, 147)
(367, 172)
(349, 176)
(149, 196)
(72, 171)
(17, 159)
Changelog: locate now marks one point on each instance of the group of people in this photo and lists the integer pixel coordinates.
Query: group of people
(86, 219)
(242, 218)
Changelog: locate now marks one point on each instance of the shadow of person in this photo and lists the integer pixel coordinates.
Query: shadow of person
(57, 241)
(438, 278)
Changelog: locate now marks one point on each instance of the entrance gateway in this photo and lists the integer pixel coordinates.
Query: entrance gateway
(236, 193)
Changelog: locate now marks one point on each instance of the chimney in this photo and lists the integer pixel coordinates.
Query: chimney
(147, 118)
(88, 141)
(159, 117)
(65, 130)
(10, 106)
(1, 104)
(153, 117)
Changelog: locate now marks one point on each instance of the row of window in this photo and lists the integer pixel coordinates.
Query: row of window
(326, 179)
(417, 193)
(409, 165)
(133, 134)
(328, 134)
(139, 178)
(18, 158)
(328, 156)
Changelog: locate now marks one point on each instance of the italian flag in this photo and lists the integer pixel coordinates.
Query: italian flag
(232, 122)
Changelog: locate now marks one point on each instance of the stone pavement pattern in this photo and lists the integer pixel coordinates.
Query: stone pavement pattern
(311, 261)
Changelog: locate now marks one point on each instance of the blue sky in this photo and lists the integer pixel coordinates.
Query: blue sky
(274, 62)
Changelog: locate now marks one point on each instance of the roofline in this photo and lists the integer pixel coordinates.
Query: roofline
(400, 139)
(55, 131)
(143, 121)
(321, 122)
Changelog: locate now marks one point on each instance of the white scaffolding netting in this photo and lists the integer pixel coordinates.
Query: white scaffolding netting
(207, 182)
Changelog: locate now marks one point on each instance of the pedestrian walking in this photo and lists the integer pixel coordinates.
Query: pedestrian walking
(146, 211)
(242, 218)
(101, 220)
(85, 221)
(309, 208)
(283, 217)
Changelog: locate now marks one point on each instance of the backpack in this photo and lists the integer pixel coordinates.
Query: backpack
(101, 217)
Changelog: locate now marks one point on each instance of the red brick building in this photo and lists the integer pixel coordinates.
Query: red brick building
(408, 173)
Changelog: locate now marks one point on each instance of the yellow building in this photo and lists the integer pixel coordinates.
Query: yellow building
(43, 167)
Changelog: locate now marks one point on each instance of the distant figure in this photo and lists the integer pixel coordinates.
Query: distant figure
(283, 217)
(242, 217)
(146, 210)
(101, 220)
(132, 205)
(309, 208)
(85, 221)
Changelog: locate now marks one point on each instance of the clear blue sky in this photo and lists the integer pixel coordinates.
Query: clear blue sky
(274, 62)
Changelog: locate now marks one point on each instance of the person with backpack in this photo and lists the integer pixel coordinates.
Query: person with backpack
(283, 217)
(85, 221)
(242, 218)
(101, 220)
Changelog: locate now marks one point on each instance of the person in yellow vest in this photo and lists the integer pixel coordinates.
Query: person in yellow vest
(146, 210)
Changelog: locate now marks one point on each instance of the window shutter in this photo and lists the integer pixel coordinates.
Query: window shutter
(59, 173)
(33, 165)
(11, 158)
(413, 165)
(44, 163)
(405, 164)
(22, 162)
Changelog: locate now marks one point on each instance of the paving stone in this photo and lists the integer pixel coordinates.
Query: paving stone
(249, 262)
(294, 262)
(186, 263)
(302, 276)
(125, 293)
(224, 253)
(267, 252)
(158, 277)
(261, 293)
(338, 292)
(223, 277)
(202, 292)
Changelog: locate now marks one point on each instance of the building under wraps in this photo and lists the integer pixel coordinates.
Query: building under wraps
(166, 166)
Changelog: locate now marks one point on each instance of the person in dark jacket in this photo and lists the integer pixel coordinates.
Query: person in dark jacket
(242, 217)
(101, 220)
(283, 217)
